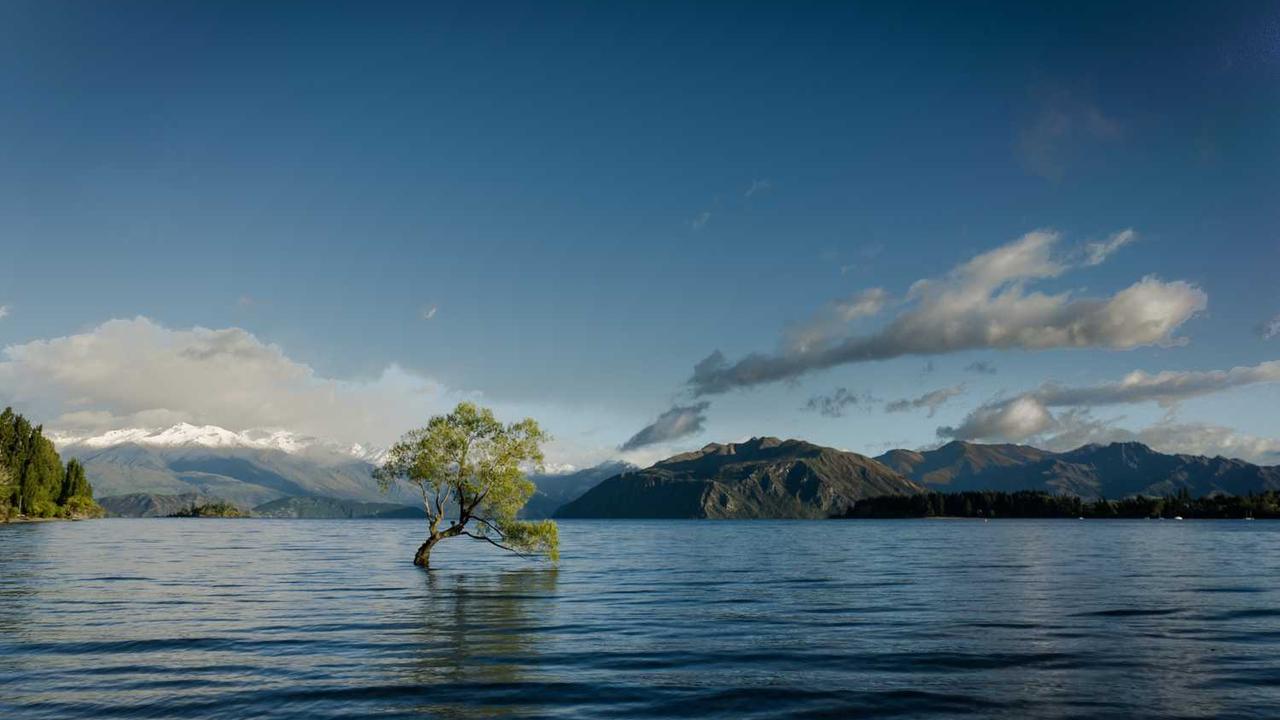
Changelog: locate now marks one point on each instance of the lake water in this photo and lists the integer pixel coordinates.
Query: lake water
(319, 619)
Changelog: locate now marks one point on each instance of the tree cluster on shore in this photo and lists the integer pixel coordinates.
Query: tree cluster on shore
(1039, 504)
(33, 480)
(215, 510)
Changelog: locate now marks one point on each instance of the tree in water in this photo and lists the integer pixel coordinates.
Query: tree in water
(470, 463)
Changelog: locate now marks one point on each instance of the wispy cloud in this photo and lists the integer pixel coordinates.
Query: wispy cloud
(982, 304)
(676, 423)
(1097, 253)
(1062, 122)
(835, 403)
(981, 367)
(701, 220)
(758, 186)
(931, 400)
(429, 312)
(4, 311)
(1268, 330)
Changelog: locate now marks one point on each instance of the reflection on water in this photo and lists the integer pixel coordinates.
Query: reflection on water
(481, 627)
(258, 618)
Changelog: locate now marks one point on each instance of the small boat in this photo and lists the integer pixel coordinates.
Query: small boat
(1177, 517)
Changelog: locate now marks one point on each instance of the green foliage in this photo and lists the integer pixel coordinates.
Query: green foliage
(80, 506)
(469, 463)
(1037, 504)
(44, 509)
(38, 485)
(74, 483)
(6, 492)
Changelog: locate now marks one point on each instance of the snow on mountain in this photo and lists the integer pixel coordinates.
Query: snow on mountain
(186, 435)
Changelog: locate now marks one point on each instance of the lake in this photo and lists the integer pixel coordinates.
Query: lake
(915, 618)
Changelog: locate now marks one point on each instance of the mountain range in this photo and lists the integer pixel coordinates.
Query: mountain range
(145, 472)
(761, 478)
(246, 469)
(1091, 471)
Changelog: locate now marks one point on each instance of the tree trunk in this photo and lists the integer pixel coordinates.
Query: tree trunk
(423, 557)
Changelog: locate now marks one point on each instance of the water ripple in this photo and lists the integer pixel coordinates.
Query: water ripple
(318, 619)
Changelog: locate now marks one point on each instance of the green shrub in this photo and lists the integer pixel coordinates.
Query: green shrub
(44, 509)
(80, 506)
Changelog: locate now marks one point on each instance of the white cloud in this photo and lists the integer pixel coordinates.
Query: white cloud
(932, 400)
(1017, 419)
(429, 312)
(136, 373)
(4, 311)
(982, 304)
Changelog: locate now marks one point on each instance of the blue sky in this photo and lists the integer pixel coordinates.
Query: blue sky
(594, 197)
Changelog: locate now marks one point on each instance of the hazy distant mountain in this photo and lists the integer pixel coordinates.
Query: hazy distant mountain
(246, 469)
(556, 489)
(333, 508)
(760, 478)
(1113, 471)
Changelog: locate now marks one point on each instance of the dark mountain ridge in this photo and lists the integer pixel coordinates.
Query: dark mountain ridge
(761, 478)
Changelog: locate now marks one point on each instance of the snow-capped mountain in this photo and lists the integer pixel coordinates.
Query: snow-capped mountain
(248, 468)
(186, 435)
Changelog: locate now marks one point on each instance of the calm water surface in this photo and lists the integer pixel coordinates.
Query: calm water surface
(319, 619)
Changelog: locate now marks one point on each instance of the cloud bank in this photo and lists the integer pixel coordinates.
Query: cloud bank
(1030, 416)
(982, 304)
(676, 423)
(137, 373)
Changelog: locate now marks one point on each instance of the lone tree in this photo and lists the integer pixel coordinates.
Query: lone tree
(469, 463)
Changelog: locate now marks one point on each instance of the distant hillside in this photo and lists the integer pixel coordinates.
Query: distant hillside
(334, 508)
(1092, 471)
(954, 464)
(760, 478)
(151, 505)
(553, 491)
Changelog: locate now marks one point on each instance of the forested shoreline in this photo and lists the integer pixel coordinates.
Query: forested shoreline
(33, 481)
(1038, 504)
